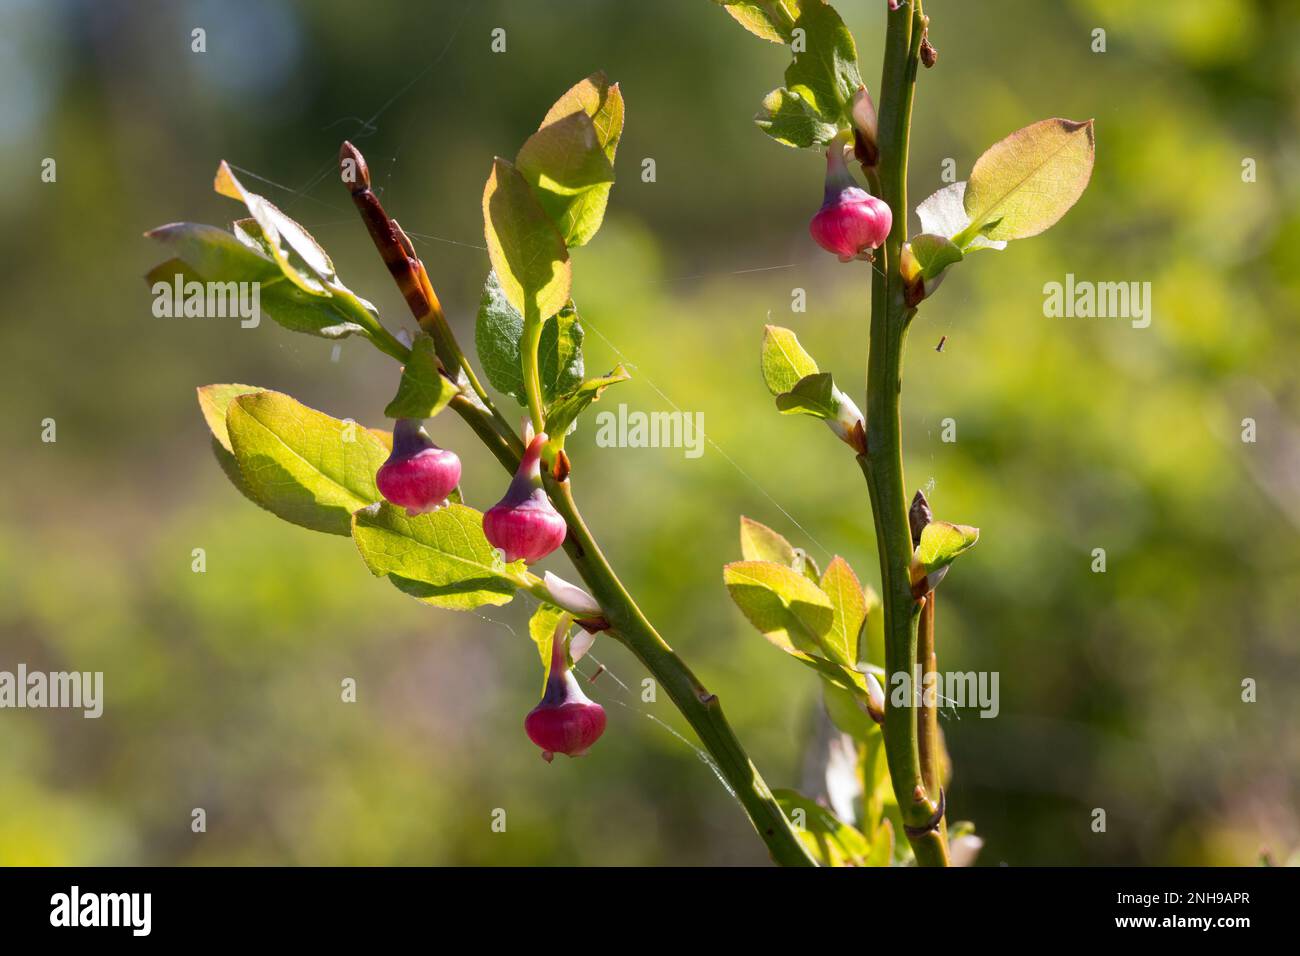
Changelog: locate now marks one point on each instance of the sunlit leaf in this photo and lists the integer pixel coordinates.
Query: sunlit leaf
(1026, 182)
(566, 409)
(301, 464)
(784, 360)
(830, 840)
(527, 252)
(423, 390)
(849, 604)
(441, 557)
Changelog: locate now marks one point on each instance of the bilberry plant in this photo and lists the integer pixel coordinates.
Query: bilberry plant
(397, 494)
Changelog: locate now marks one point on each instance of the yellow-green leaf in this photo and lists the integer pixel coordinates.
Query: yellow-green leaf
(441, 557)
(1026, 182)
(828, 838)
(785, 362)
(301, 464)
(527, 252)
(423, 390)
(849, 604)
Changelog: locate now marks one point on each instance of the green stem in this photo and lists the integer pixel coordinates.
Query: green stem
(702, 710)
(883, 464)
(528, 348)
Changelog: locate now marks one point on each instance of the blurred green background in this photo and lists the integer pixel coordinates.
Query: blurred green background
(1119, 690)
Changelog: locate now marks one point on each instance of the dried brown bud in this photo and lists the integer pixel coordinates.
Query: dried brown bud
(918, 516)
(929, 55)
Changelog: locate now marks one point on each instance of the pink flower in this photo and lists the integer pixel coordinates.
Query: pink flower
(418, 475)
(524, 523)
(566, 721)
(851, 221)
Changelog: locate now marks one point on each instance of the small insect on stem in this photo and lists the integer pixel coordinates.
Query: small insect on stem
(942, 340)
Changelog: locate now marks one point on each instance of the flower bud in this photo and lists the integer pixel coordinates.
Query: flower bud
(524, 524)
(851, 221)
(418, 475)
(848, 423)
(566, 721)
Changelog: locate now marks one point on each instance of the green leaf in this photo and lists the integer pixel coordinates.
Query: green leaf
(527, 252)
(563, 158)
(1028, 181)
(599, 99)
(214, 254)
(845, 713)
(882, 845)
(770, 19)
(784, 360)
(299, 256)
(423, 391)
(569, 160)
(830, 840)
(790, 120)
(214, 400)
(849, 604)
(441, 557)
(566, 409)
(301, 464)
(812, 395)
(758, 542)
(871, 639)
(826, 73)
(943, 213)
(934, 253)
(541, 628)
(788, 609)
(497, 334)
(942, 542)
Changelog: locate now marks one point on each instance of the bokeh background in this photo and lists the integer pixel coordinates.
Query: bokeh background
(1119, 690)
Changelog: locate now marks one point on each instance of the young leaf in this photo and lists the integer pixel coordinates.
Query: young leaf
(788, 609)
(882, 845)
(790, 120)
(942, 542)
(214, 254)
(825, 74)
(784, 360)
(934, 253)
(566, 409)
(849, 604)
(299, 256)
(423, 391)
(441, 557)
(301, 464)
(214, 400)
(943, 213)
(569, 160)
(828, 838)
(770, 19)
(527, 252)
(541, 628)
(1028, 181)
(812, 395)
(758, 542)
(496, 337)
